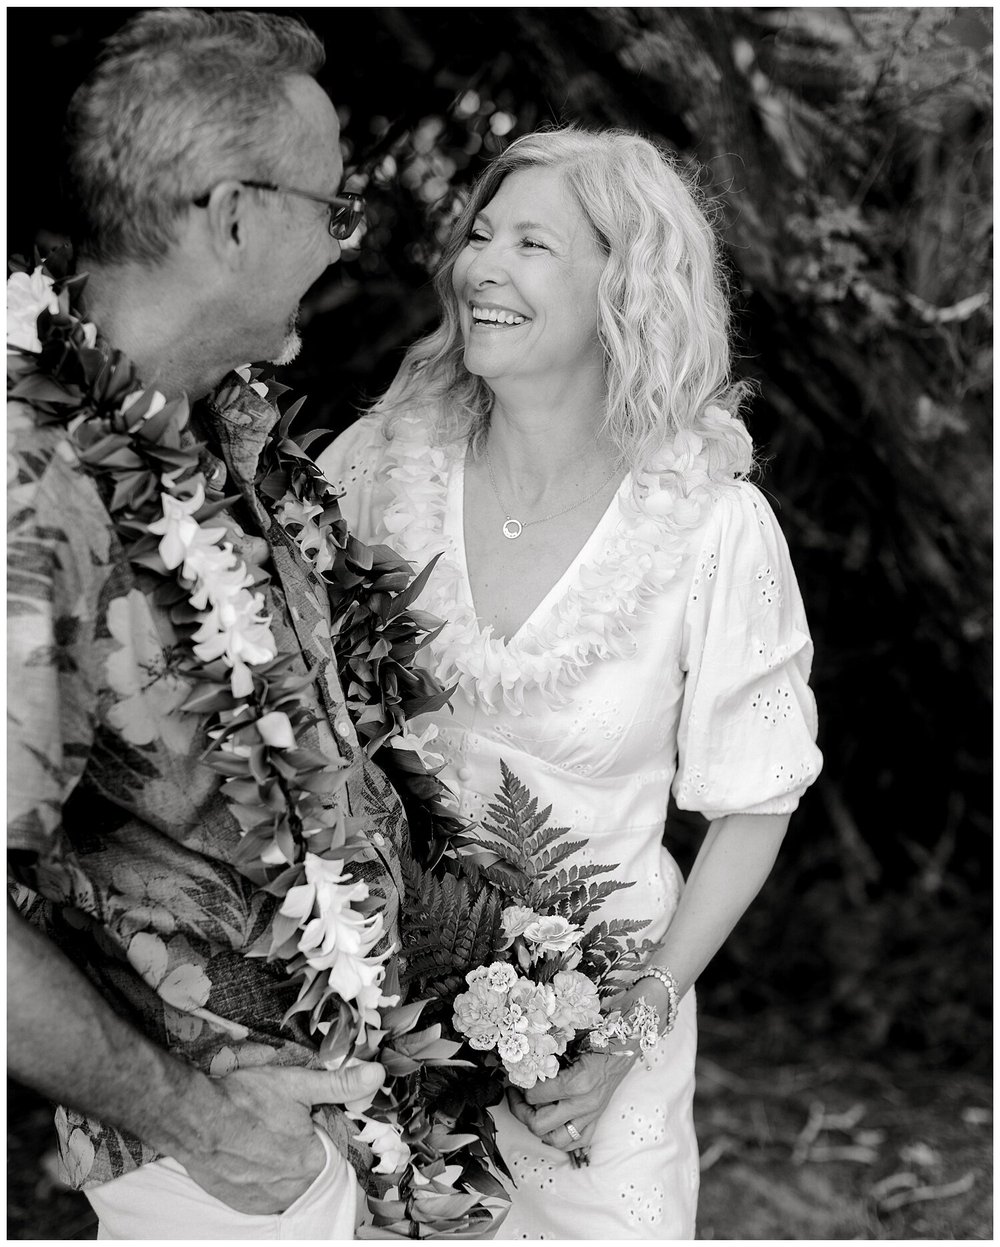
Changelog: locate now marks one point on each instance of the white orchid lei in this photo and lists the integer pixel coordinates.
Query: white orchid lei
(294, 845)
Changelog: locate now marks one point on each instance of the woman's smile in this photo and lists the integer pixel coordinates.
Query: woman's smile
(488, 316)
(527, 281)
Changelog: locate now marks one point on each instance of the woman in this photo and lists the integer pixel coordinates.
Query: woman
(622, 615)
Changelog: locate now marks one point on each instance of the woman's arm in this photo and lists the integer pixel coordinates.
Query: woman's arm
(733, 862)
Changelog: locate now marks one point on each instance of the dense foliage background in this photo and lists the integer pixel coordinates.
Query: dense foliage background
(848, 153)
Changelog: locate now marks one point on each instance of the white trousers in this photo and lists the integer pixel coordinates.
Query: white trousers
(159, 1200)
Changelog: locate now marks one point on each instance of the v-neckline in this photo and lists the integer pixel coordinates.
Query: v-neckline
(454, 526)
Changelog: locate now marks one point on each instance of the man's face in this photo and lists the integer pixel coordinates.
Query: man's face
(294, 242)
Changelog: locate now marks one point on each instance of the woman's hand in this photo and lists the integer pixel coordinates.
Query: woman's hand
(579, 1094)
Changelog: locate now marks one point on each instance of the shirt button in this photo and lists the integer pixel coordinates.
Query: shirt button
(343, 729)
(464, 772)
(378, 839)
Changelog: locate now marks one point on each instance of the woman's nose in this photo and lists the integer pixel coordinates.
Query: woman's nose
(485, 268)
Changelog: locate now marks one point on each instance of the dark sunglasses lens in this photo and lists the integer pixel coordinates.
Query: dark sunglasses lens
(344, 221)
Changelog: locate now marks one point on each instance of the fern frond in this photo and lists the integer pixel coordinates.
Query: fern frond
(582, 903)
(565, 884)
(536, 843)
(617, 927)
(548, 859)
(515, 818)
(488, 929)
(481, 925)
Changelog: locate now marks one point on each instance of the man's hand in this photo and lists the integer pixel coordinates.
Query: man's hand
(247, 1138)
(261, 1151)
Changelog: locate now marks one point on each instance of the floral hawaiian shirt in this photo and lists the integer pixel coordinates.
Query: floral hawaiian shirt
(120, 843)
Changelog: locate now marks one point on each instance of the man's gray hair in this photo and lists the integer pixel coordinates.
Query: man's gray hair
(180, 99)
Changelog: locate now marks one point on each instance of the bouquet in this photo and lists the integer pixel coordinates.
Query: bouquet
(502, 951)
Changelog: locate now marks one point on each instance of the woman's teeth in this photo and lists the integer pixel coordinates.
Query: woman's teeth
(496, 316)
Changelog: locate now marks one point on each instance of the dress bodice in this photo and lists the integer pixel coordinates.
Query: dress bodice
(672, 653)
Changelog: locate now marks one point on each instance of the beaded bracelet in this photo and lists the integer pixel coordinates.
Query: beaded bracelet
(663, 975)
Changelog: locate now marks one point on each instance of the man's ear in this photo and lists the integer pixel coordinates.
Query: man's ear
(227, 218)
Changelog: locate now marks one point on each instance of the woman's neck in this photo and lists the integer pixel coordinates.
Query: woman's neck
(534, 443)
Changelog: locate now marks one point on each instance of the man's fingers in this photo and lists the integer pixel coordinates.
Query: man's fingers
(321, 1086)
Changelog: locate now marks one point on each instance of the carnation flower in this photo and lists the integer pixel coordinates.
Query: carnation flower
(577, 1005)
(552, 934)
(535, 1003)
(27, 297)
(537, 1064)
(514, 920)
(512, 1046)
(478, 1013)
(500, 977)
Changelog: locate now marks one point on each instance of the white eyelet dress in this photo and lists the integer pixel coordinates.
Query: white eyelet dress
(672, 654)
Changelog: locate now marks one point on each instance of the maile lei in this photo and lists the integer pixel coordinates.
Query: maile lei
(296, 844)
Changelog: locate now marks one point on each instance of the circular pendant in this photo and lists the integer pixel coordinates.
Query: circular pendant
(512, 529)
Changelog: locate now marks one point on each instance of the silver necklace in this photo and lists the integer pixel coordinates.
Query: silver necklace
(513, 528)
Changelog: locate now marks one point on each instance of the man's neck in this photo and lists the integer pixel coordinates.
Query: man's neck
(135, 309)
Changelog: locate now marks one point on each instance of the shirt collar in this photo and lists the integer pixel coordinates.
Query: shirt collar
(238, 422)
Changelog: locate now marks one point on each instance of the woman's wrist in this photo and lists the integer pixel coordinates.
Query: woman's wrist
(657, 985)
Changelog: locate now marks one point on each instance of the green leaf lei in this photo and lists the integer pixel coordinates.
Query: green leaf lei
(140, 451)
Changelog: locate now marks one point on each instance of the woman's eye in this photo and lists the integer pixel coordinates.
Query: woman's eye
(534, 244)
(477, 235)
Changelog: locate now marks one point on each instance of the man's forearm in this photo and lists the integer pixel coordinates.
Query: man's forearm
(64, 1040)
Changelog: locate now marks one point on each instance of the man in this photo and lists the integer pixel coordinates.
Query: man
(134, 1001)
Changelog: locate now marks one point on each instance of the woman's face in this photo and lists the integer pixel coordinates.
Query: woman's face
(527, 281)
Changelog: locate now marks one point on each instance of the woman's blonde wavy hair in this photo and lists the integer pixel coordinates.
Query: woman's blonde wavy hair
(663, 315)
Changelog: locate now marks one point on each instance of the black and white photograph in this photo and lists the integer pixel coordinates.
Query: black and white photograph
(499, 623)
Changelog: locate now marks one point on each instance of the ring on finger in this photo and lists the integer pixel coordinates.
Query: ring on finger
(573, 1133)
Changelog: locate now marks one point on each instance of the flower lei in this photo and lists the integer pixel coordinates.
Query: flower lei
(294, 846)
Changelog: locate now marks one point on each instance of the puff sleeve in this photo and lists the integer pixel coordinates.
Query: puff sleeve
(746, 739)
(354, 464)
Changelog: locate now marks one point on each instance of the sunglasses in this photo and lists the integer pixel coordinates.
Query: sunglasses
(347, 211)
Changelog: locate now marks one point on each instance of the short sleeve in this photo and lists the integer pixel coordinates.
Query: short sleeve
(353, 463)
(746, 741)
(57, 550)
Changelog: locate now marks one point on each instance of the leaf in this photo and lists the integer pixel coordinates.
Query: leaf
(567, 884)
(414, 590)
